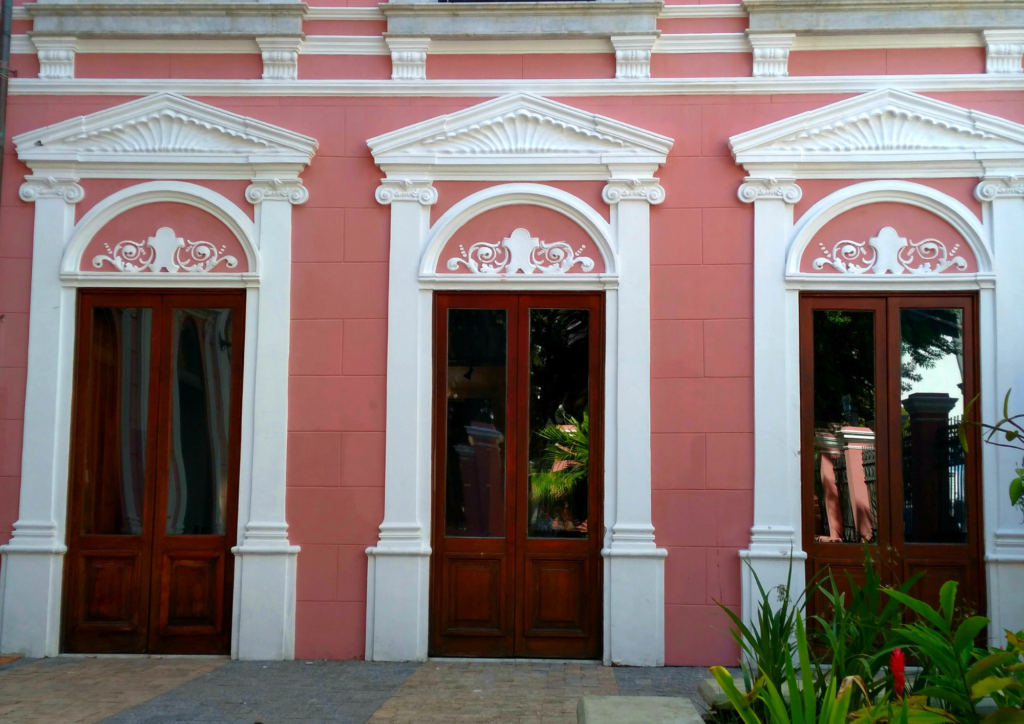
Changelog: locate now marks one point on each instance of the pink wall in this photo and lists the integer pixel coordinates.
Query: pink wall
(701, 297)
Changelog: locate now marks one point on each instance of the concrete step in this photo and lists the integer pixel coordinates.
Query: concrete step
(636, 710)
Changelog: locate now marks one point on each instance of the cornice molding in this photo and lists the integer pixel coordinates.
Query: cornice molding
(49, 187)
(702, 11)
(769, 189)
(906, 16)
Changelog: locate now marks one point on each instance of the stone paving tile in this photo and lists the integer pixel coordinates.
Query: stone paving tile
(83, 690)
(495, 693)
(666, 681)
(244, 692)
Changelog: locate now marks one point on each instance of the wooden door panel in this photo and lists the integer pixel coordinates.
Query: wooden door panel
(109, 596)
(475, 595)
(556, 596)
(192, 600)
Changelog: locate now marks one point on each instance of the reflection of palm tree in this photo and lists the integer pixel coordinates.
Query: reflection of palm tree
(565, 460)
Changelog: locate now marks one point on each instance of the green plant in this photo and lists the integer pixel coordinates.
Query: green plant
(768, 645)
(856, 629)
(1011, 431)
(953, 673)
(803, 707)
(565, 460)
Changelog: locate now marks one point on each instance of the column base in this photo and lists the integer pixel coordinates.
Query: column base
(634, 618)
(1004, 571)
(397, 604)
(31, 574)
(775, 558)
(264, 602)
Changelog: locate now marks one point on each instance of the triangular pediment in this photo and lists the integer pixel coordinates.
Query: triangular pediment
(519, 129)
(164, 128)
(882, 126)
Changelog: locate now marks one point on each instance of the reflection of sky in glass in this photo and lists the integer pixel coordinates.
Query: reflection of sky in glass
(943, 377)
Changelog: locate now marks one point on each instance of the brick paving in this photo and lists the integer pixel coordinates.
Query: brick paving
(201, 690)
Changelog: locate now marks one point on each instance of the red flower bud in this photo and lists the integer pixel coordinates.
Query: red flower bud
(898, 666)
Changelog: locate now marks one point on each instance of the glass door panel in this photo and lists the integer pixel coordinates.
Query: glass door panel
(476, 389)
(200, 416)
(559, 420)
(932, 389)
(845, 480)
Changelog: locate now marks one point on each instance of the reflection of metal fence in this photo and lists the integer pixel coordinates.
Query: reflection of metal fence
(951, 524)
(845, 504)
(871, 481)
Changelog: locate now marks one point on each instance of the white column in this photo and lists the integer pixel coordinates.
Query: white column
(32, 567)
(398, 574)
(265, 562)
(1004, 529)
(634, 565)
(775, 536)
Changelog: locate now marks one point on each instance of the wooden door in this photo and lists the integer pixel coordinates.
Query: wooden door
(154, 472)
(517, 492)
(884, 380)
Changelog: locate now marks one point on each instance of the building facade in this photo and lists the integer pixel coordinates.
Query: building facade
(501, 329)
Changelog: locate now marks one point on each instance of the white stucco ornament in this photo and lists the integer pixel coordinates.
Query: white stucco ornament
(520, 252)
(890, 253)
(165, 252)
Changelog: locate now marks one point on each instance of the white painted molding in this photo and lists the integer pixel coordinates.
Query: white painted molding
(876, 133)
(578, 145)
(519, 194)
(277, 189)
(524, 46)
(999, 187)
(56, 56)
(771, 53)
(408, 58)
(345, 45)
(151, 192)
(518, 130)
(633, 55)
(841, 84)
(783, 189)
(889, 191)
(870, 41)
(646, 189)
(164, 133)
(49, 187)
(1003, 51)
(280, 57)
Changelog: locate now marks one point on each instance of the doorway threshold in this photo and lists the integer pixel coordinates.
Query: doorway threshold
(193, 657)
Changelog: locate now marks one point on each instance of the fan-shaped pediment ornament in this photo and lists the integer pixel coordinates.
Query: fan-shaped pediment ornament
(887, 128)
(520, 131)
(165, 131)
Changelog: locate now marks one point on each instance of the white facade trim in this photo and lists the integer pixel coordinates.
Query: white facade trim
(398, 577)
(263, 611)
(840, 84)
(778, 247)
(702, 11)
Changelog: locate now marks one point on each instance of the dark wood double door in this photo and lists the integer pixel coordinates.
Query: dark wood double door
(885, 381)
(517, 529)
(154, 472)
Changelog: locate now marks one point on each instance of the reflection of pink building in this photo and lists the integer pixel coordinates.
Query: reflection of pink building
(337, 164)
(848, 489)
(483, 480)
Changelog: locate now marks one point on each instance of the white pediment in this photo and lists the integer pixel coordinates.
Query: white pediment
(882, 127)
(164, 129)
(519, 130)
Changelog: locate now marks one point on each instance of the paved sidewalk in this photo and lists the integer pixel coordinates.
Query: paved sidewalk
(192, 690)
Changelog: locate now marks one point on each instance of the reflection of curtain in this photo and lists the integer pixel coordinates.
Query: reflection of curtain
(211, 337)
(134, 334)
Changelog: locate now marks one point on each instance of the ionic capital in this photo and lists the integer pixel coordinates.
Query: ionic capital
(48, 187)
(640, 189)
(392, 190)
(760, 189)
(277, 189)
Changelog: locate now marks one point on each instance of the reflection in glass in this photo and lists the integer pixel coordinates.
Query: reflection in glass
(845, 483)
(475, 420)
(932, 382)
(197, 483)
(115, 436)
(559, 422)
